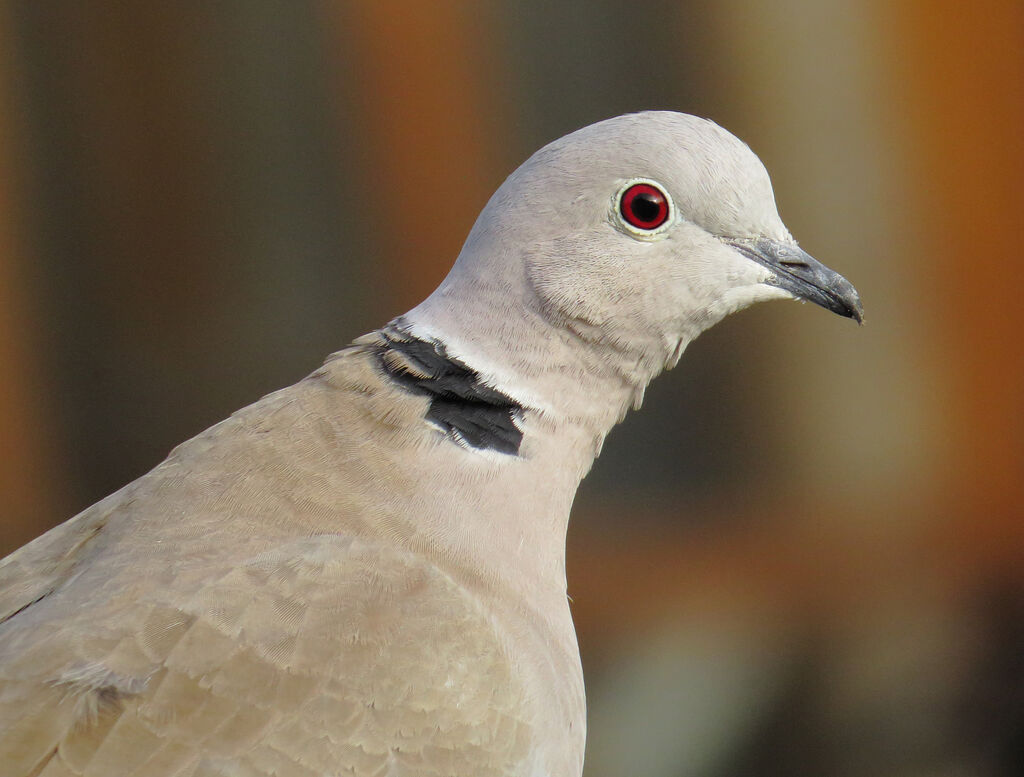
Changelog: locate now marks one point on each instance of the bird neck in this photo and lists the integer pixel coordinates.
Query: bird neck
(538, 390)
(525, 408)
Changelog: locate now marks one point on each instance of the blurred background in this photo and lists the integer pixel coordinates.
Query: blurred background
(804, 555)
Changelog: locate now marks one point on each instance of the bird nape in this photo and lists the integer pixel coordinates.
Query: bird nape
(364, 573)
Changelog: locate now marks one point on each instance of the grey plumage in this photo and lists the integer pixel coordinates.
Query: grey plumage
(364, 573)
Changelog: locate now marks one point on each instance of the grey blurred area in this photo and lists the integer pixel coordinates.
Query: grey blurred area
(793, 559)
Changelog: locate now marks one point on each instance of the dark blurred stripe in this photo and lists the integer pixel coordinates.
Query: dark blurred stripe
(31, 486)
(579, 61)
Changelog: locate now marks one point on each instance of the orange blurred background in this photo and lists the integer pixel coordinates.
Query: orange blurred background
(804, 554)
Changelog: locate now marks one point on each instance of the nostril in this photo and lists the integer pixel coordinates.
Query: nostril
(793, 263)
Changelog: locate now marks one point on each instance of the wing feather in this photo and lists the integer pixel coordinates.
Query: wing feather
(324, 655)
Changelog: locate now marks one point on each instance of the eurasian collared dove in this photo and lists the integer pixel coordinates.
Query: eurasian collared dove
(364, 573)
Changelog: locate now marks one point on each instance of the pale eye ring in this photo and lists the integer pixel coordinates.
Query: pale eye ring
(644, 206)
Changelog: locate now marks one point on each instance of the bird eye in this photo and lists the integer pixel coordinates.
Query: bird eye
(644, 206)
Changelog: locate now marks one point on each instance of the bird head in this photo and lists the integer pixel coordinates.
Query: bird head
(634, 235)
(655, 222)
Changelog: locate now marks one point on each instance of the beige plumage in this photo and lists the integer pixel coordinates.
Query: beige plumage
(364, 573)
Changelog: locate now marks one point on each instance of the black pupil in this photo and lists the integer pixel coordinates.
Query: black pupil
(646, 207)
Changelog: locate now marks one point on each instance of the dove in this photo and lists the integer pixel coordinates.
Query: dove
(364, 573)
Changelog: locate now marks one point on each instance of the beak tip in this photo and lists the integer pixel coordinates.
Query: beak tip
(845, 299)
(857, 313)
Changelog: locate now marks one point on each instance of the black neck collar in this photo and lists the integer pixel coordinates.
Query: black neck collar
(467, 409)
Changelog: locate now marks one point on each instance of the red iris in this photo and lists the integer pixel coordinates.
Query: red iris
(644, 206)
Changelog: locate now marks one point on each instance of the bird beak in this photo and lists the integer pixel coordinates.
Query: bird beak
(803, 276)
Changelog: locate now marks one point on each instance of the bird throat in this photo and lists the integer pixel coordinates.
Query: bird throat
(468, 410)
